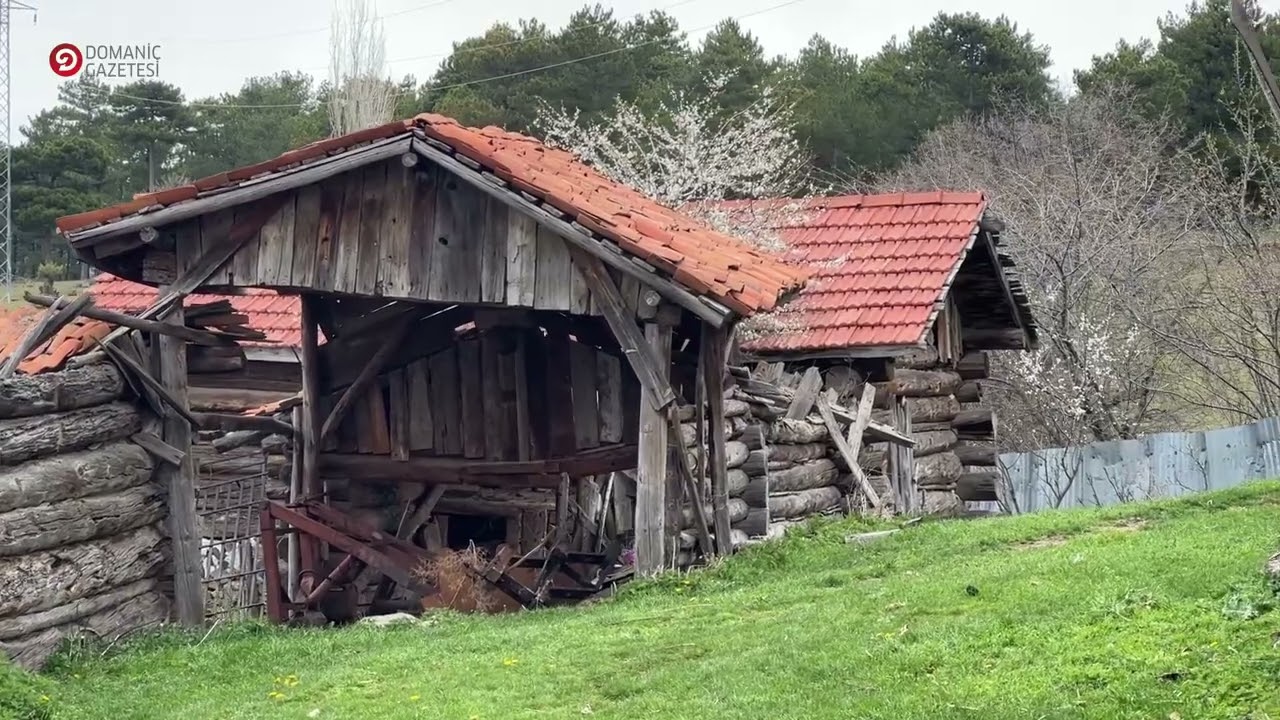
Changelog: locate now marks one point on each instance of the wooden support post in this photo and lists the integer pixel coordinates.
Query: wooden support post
(271, 561)
(651, 466)
(169, 363)
(714, 346)
(295, 491)
(310, 430)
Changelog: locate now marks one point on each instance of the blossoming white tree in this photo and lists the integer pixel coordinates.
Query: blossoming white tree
(687, 153)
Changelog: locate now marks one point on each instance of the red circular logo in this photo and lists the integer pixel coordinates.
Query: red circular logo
(66, 59)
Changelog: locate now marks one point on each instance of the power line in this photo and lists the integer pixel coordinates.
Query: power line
(479, 81)
(309, 31)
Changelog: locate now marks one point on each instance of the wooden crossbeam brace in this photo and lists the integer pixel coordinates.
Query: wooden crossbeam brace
(850, 456)
(367, 375)
(634, 347)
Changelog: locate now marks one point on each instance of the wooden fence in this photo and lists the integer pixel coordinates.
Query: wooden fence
(1156, 466)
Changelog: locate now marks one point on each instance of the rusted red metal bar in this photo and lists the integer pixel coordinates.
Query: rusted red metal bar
(339, 571)
(368, 555)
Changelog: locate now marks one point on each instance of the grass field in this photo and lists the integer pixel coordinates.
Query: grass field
(64, 287)
(1143, 611)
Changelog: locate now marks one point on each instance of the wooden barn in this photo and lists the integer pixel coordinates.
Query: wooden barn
(505, 328)
(909, 291)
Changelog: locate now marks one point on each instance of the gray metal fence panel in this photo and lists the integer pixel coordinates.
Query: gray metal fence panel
(1155, 466)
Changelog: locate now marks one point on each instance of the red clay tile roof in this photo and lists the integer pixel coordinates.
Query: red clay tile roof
(702, 260)
(75, 338)
(277, 316)
(879, 264)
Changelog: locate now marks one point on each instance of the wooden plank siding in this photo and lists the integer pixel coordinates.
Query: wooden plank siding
(472, 399)
(395, 232)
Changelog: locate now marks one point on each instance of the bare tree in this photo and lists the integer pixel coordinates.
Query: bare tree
(1224, 317)
(361, 96)
(1100, 214)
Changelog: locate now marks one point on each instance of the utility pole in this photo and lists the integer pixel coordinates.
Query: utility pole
(6, 215)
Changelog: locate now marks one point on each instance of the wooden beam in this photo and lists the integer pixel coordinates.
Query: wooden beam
(157, 448)
(422, 513)
(50, 323)
(214, 257)
(310, 398)
(367, 375)
(650, 369)
(714, 347)
(191, 335)
(997, 339)
(500, 473)
(691, 487)
(849, 455)
(862, 419)
(169, 358)
(577, 237)
(651, 468)
(228, 422)
(276, 185)
(806, 394)
(176, 404)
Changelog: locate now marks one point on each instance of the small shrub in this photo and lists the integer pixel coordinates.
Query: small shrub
(48, 273)
(24, 696)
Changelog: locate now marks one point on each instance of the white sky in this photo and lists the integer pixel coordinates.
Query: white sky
(211, 47)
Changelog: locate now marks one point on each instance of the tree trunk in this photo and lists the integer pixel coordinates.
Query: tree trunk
(974, 365)
(977, 486)
(70, 521)
(782, 456)
(972, 452)
(27, 395)
(932, 409)
(735, 453)
(804, 503)
(796, 432)
(737, 511)
(26, 438)
(106, 469)
(755, 524)
(815, 473)
(924, 358)
(969, 391)
(43, 580)
(928, 443)
(973, 417)
(937, 471)
(926, 383)
(31, 639)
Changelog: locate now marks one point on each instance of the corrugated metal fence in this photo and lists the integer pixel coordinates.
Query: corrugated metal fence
(1156, 466)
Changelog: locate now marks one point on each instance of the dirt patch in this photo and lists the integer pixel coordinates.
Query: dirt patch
(1044, 542)
(1133, 524)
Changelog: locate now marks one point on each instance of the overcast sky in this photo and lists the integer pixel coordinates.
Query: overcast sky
(211, 47)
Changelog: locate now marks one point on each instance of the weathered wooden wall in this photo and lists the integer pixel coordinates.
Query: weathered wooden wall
(504, 394)
(82, 540)
(396, 232)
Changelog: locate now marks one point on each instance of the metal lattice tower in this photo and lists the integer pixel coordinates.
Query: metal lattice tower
(6, 216)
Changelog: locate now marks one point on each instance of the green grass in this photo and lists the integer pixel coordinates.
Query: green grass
(1143, 611)
(63, 287)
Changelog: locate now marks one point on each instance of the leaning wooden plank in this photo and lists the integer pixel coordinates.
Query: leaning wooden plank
(609, 392)
(398, 398)
(158, 448)
(58, 314)
(126, 361)
(367, 375)
(421, 431)
(582, 376)
(191, 335)
(694, 493)
(422, 512)
(652, 374)
(472, 398)
(805, 395)
(849, 455)
(860, 421)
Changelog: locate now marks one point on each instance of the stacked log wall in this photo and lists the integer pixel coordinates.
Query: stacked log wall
(83, 546)
(955, 453)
